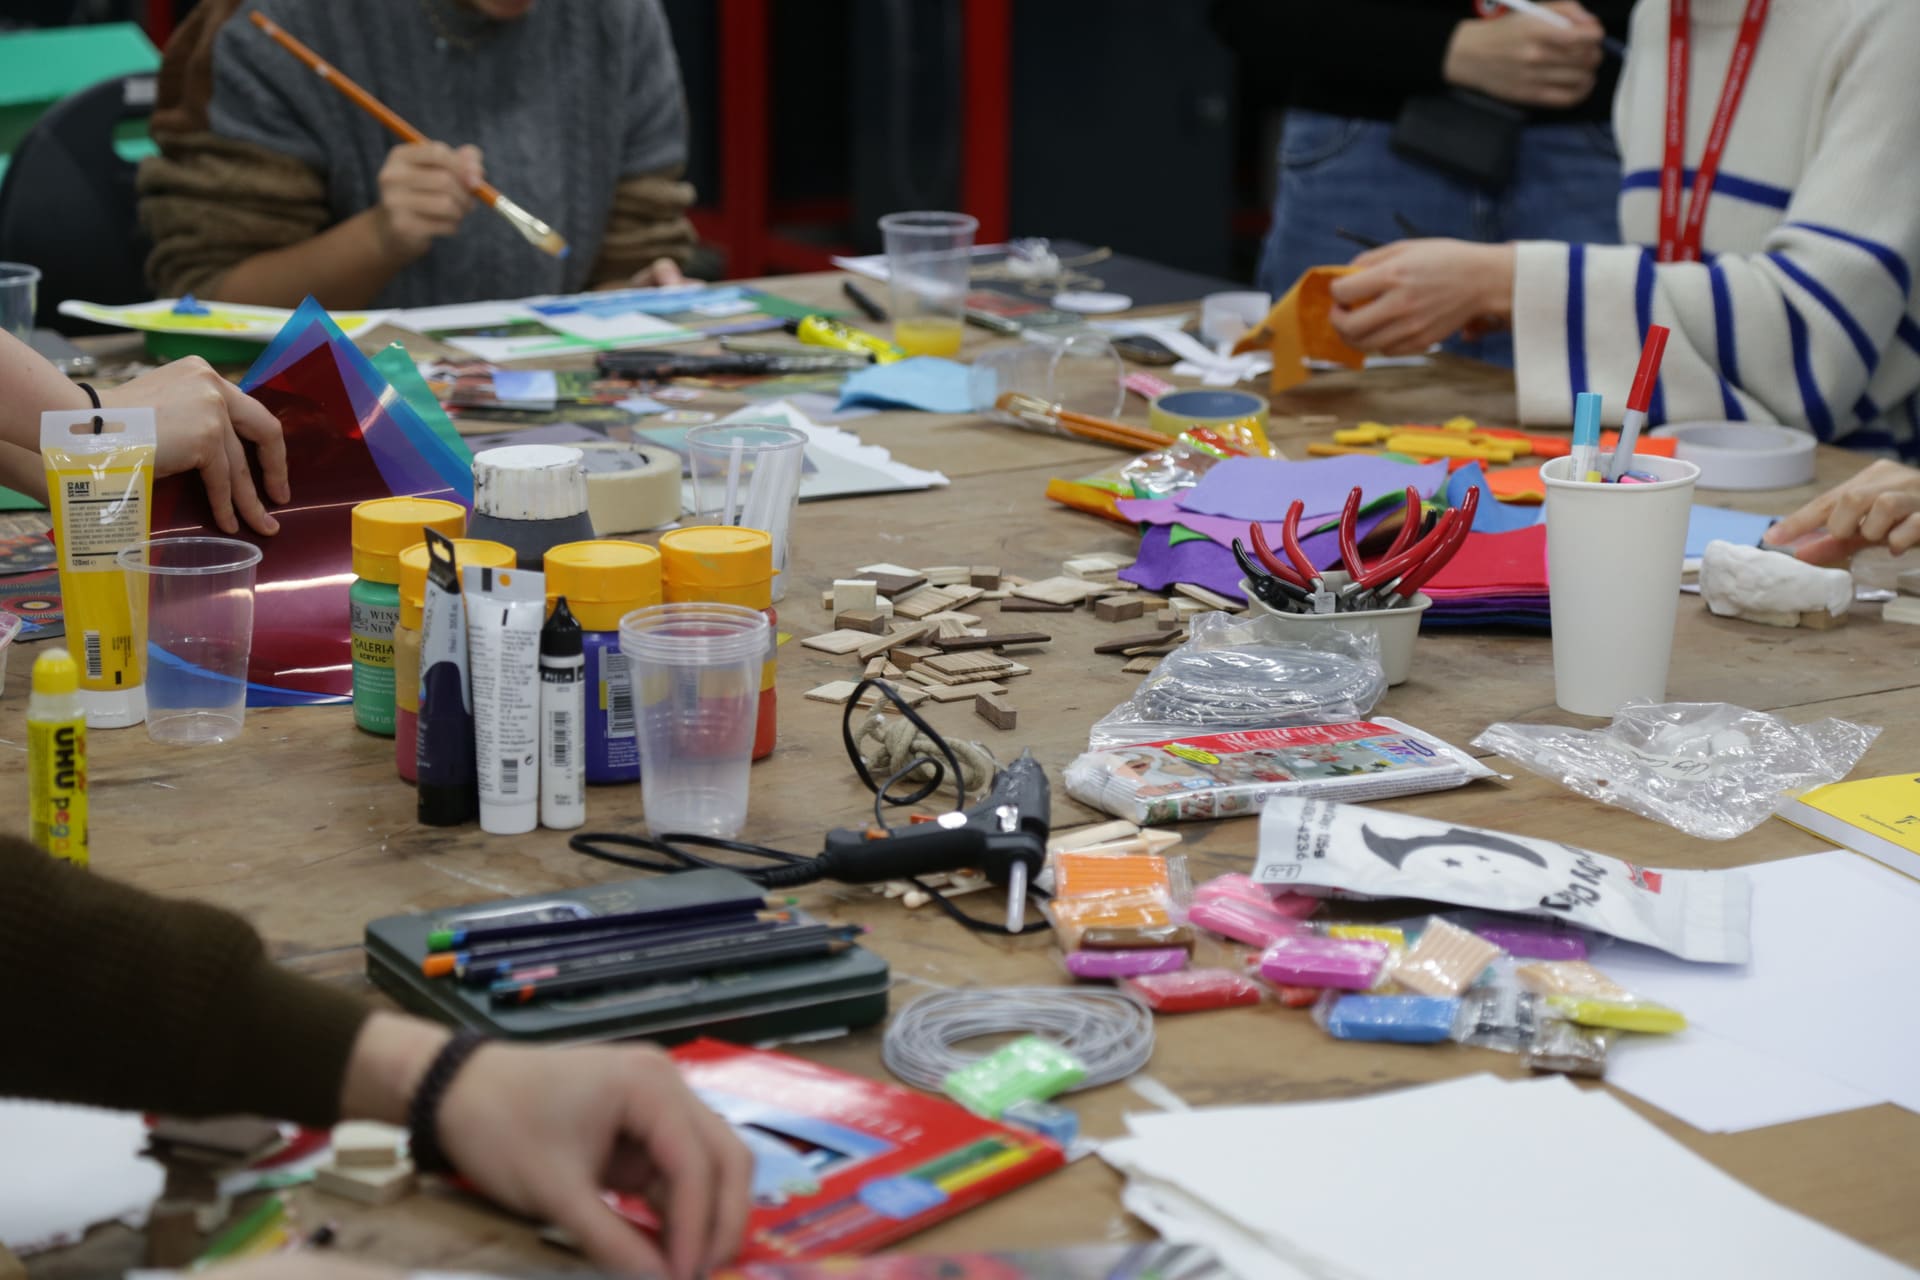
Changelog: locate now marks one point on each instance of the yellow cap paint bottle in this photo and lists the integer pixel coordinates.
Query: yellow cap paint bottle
(57, 758)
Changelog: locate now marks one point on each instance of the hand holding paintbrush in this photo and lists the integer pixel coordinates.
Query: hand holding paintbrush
(409, 169)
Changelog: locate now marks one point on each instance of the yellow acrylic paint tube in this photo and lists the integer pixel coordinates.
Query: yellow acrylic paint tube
(100, 491)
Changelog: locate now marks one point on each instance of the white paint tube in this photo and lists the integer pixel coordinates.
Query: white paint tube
(505, 610)
(1341, 850)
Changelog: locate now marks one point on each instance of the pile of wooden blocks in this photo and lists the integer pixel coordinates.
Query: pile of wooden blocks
(908, 627)
(368, 1165)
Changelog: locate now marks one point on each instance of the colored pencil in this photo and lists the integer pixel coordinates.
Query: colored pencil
(479, 971)
(771, 951)
(460, 939)
(540, 971)
(537, 233)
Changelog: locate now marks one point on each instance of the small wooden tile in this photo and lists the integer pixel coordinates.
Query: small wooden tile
(874, 570)
(946, 575)
(1020, 604)
(1211, 599)
(1089, 569)
(996, 711)
(834, 692)
(1015, 669)
(1901, 609)
(1167, 619)
(837, 641)
(954, 615)
(1125, 643)
(961, 692)
(1171, 641)
(368, 1186)
(871, 621)
(855, 593)
(368, 1144)
(1141, 665)
(1118, 559)
(876, 667)
(904, 656)
(908, 694)
(1121, 609)
(898, 636)
(1908, 583)
(1060, 590)
(985, 576)
(1002, 640)
(962, 664)
(895, 585)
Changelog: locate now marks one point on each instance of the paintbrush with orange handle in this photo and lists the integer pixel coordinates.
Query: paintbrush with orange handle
(538, 234)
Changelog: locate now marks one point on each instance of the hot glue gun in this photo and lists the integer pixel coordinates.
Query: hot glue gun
(1004, 836)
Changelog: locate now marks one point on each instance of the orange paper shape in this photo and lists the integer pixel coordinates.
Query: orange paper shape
(1300, 328)
(1517, 484)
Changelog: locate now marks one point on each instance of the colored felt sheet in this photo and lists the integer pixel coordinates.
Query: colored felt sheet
(1300, 328)
(1711, 524)
(1199, 562)
(350, 437)
(1517, 484)
(1224, 529)
(1262, 488)
(1492, 515)
(1490, 564)
(927, 383)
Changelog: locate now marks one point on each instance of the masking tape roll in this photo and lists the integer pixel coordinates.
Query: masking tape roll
(1224, 411)
(630, 487)
(1743, 455)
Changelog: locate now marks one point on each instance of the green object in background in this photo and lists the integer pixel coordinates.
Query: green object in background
(398, 368)
(786, 308)
(11, 500)
(164, 347)
(39, 68)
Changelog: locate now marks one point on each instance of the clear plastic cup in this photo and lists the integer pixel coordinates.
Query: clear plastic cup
(1081, 372)
(748, 476)
(192, 606)
(929, 256)
(696, 672)
(19, 295)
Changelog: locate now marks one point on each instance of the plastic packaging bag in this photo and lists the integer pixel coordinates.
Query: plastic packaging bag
(1575, 991)
(1238, 673)
(1445, 961)
(1395, 1019)
(1193, 990)
(1707, 768)
(1308, 961)
(1339, 850)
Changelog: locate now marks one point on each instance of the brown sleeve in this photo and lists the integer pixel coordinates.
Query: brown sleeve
(649, 221)
(210, 203)
(117, 998)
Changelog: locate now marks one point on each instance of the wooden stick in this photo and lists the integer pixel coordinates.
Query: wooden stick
(537, 232)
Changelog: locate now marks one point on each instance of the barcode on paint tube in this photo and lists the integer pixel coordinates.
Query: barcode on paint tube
(509, 776)
(619, 682)
(95, 670)
(561, 757)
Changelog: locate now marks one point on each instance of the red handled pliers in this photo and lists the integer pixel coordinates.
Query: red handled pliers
(1302, 573)
(1401, 573)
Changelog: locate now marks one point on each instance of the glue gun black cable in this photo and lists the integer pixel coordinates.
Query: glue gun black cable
(793, 869)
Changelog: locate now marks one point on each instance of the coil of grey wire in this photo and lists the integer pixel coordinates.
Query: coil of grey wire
(1111, 1034)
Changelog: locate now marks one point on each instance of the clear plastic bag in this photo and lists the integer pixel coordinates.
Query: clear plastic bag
(1238, 673)
(1707, 768)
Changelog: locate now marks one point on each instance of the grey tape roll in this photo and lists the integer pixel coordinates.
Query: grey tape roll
(1743, 455)
(630, 487)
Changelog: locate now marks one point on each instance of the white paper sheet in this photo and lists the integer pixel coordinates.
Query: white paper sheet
(64, 1169)
(1718, 1086)
(1475, 1177)
(1826, 994)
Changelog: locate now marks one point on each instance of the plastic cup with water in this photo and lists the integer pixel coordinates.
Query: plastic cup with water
(192, 608)
(929, 257)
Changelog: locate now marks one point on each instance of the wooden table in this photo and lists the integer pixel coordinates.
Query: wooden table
(302, 826)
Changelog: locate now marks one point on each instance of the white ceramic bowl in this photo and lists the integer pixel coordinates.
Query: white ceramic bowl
(1396, 628)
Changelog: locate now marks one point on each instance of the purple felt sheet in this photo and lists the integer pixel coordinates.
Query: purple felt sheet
(1197, 562)
(1224, 529)
(1262, 488)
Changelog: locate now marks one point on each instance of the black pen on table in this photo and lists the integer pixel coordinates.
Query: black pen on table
(864, 300)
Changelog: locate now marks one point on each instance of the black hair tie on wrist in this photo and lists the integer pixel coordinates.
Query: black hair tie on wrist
(99, 423)
(423, 1113)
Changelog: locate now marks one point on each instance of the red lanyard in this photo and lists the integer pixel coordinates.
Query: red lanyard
(1682, 243)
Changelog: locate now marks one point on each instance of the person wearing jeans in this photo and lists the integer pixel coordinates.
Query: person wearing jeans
(1355, 67)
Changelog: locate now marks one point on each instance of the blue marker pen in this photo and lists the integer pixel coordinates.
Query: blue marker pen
(1586, 437)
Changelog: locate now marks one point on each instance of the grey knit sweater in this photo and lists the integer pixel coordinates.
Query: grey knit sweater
(563, 103)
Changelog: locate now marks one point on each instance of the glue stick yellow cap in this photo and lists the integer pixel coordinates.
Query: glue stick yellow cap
(718, 564)
(603, 580)
(55, 672)
(466, 551)
(385, 527)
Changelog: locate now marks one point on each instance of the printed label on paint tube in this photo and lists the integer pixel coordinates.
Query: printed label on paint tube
(1314, 846)
(505, 610)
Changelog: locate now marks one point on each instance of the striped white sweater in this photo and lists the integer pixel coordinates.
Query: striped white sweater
(1804, 311)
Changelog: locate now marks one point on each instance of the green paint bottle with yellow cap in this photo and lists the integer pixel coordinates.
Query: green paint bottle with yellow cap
(57, 758)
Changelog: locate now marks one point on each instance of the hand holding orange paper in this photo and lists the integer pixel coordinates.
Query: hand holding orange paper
(1300, 328)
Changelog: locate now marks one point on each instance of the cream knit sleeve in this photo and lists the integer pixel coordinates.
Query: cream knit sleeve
(1816, 328)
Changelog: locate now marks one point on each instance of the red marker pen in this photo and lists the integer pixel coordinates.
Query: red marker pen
(1644, 380)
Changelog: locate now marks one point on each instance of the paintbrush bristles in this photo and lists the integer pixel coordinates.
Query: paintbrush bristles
(538, 234)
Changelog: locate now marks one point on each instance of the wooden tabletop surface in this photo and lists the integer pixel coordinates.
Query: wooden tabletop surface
(302, 826)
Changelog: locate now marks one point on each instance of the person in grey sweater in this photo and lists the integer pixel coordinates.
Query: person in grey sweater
(270, 185)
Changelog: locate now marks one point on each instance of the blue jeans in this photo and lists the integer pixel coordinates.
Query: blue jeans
(1338, 173)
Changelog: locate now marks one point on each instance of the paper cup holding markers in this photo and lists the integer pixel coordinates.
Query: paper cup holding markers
(1613, 574)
